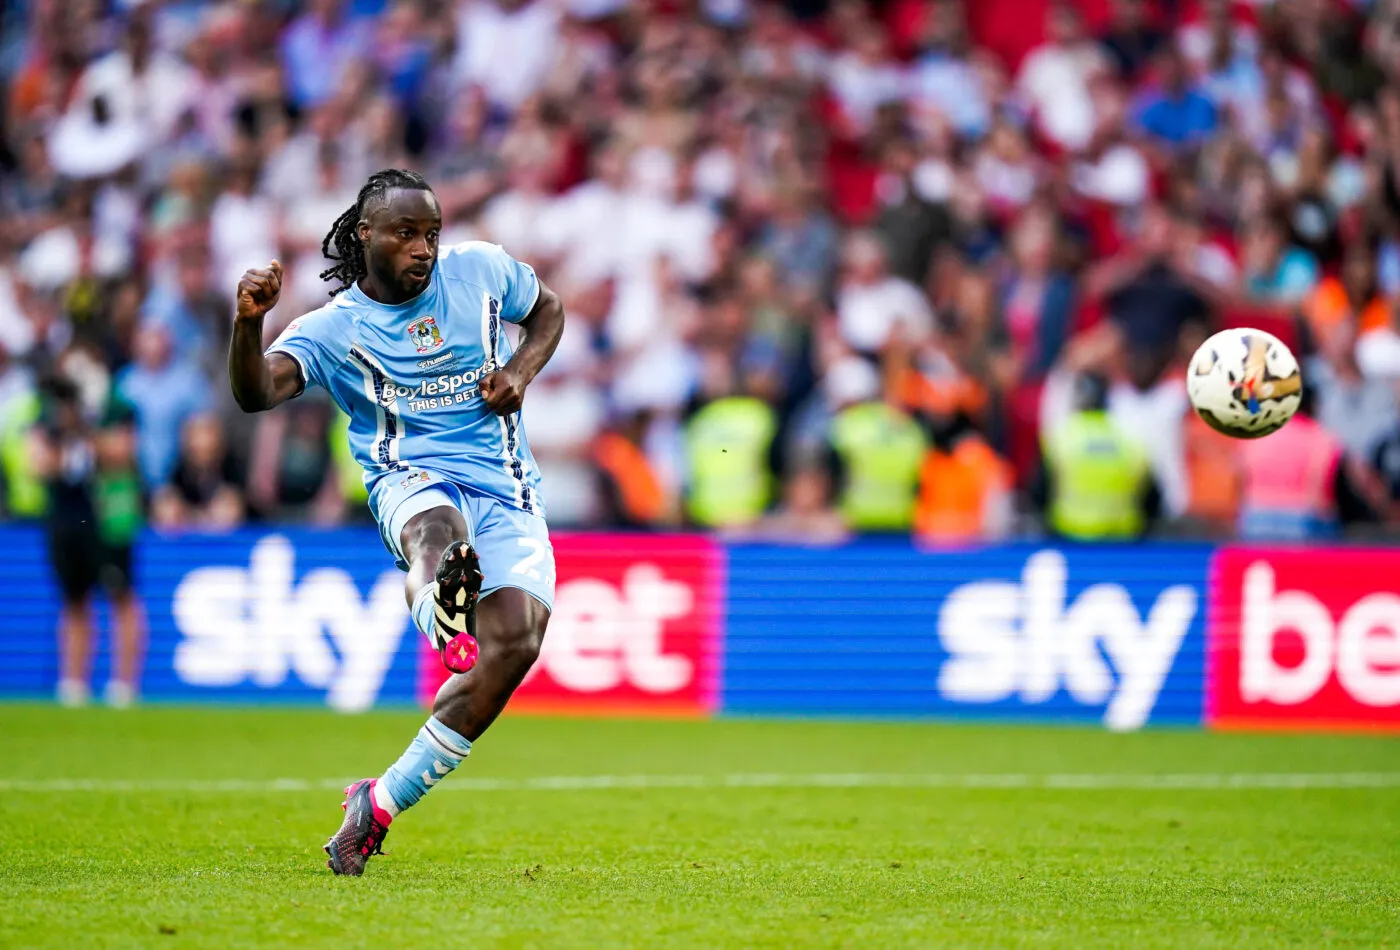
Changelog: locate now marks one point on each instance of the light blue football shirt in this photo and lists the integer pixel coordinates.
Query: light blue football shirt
(407, 375)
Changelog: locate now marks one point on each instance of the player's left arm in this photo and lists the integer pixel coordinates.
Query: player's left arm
(504, 390)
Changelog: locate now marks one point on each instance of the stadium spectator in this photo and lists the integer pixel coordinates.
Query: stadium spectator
(1314, 215)
(976, 237)
(631, 493)
(1111, 168)
(1355, 409)
(164, 392)
(800, 238)
(191, 309)
(1038, 301)
(1223, 56)
(318, 49)
(292, 474)
(1353, 296)
(1304, 485)
(1096, 484)
(1385, 461)
(202, 492)
(875, 451)
(1132, 38)
(1149, 296)
(804, 514)
(944, 78)
(565, 417)
(243, 224)
(911, 227)
(864, 76)
(1274, 270)
(1055, 79)
(966, 490)
(1006, 169)
(505, 47)
(1173, 113)
(730, 443)
(873, 304)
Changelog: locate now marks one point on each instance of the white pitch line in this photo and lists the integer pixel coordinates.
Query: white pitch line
(1203, 781)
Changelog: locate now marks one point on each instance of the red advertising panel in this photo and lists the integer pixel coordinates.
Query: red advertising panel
(1304, 638)
(635, 629)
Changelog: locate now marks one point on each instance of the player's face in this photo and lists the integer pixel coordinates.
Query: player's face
(401, 240)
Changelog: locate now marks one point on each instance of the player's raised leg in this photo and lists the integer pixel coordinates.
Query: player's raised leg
(444, 579)
(510, 625)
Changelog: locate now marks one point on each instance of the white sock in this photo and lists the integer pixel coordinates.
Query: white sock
(72, 693)
(423, 607)
(119, 695)
(384, 800)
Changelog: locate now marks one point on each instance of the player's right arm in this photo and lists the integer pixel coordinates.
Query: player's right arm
(259, 381)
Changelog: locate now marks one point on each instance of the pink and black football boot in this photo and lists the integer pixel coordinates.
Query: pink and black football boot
(361, 834)
(459, 581)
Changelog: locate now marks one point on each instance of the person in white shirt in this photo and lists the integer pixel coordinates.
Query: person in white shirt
(1055, 78)
(141, 84)
(1112, 168)
(506, 47)
(242, 224)
(871, 304)
(865, 77)
(514, 219)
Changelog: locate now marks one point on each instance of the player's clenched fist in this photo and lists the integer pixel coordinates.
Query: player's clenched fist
(503, 390)
(258, 290)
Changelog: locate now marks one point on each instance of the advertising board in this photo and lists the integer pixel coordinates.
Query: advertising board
(1231, 637)
(1108, 634)
(1304, 638)
(635, 629)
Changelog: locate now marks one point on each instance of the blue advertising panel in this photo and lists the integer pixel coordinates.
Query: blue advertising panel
(29, 617)
(1107, 634)
(290, 616)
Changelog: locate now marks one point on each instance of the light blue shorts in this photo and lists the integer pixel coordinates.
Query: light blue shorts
(513, 546)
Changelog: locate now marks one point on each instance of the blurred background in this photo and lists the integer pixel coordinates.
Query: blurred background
(867, 246)
(921, 268)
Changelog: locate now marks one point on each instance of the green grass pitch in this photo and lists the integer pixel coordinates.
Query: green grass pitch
(166, 827)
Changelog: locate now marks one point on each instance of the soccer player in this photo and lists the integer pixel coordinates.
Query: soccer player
(412, 348)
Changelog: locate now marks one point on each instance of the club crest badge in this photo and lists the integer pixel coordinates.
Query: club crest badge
(424, 334)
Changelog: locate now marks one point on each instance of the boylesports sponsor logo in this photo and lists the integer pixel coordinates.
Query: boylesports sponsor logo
(437, 392)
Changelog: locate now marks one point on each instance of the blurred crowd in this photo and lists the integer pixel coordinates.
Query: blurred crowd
(927, 266)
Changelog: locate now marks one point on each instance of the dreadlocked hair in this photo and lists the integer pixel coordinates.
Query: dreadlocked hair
(342, 243)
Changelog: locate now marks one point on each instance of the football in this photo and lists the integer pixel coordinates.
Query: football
(1244, 383)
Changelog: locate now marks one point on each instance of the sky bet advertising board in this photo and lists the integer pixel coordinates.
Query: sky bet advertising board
(680, 625)
(1107, 634)
(1305, 639)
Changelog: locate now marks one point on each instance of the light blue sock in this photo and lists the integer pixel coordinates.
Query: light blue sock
(422, 611)
(432, 755)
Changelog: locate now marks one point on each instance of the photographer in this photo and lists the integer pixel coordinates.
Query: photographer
(85, 453)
